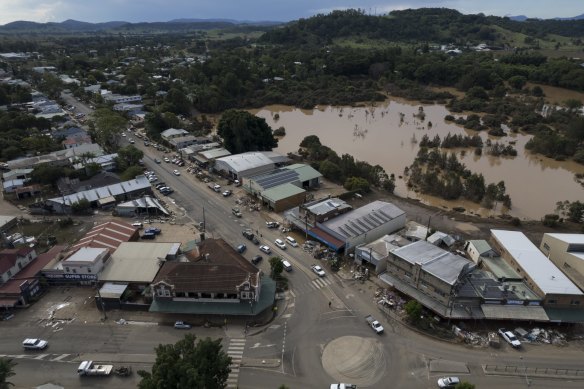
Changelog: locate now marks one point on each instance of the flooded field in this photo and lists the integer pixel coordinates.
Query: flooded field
(389, 134)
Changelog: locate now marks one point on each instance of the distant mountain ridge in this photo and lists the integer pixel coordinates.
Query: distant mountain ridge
(522, 18)
(73, 26)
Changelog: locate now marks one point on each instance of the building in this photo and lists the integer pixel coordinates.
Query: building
(358, 226)
(118, 99)
(173, 133)
(283, 188)
(216, 281)
(85, 264)
(57, 158)
(143, 207)
(138, 263)
(479, 248)
(7, 222)
(107, 162)
(17, 174)
(13, 260)
(566, 251)
(377, 252)
(540, 274)
(180, 142)
(26, 285)
(109, 235)
(122, 191)
(207, 157)
(244, 165)
(429, 269)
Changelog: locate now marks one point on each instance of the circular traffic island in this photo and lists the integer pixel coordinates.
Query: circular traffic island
(354, 360)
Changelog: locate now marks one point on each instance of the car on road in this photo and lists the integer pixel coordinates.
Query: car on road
(132, 141)
(166, 159)
(137, 224)
(34, 344)
(226, 193)
(166, 191)
(509, 337)
(124, 134)
(343, 386)
(448, 382)
(280, 243)
(256, 259)
(241, 248)
(247, 234)
(318, 270)
(265, 249)
(181, 325)
(176, 172)
(272, 224)
(156, 160)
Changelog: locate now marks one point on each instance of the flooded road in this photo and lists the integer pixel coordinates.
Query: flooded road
(389, 134)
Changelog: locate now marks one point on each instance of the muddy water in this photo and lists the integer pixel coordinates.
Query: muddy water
(378, 135)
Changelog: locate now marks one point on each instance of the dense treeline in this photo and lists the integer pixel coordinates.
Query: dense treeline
(352, 174)
(22, 134)
(442, 175)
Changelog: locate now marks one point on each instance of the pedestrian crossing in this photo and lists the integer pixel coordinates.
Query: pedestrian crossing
(42, 357)
(235, 351)
(312, 286)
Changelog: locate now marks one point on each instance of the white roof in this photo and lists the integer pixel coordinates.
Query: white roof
(86, 254)
(569, 238)
(173, 132)
(542, 271)
(246, 161)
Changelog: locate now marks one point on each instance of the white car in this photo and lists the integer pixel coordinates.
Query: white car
(448, 382)
(318, 270)
(34, 344)
(176, 172)
(280, 243)
(509, 337)
(265, 249)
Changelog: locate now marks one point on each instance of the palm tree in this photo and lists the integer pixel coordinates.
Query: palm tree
(6, 371)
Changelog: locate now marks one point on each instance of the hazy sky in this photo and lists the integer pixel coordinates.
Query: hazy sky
(277, 10)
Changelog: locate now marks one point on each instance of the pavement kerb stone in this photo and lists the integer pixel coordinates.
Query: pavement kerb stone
(266, 325)
(116, 358)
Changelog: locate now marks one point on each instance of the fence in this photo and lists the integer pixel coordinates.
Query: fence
(534, 371)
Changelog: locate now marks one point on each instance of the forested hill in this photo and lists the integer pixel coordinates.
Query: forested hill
(440, 25)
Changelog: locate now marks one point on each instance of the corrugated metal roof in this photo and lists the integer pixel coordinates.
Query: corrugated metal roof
(246, 161)
(517, 312)
(482, 246)
(361, 220)
(542, 271)
(305, 172)
(281, 192)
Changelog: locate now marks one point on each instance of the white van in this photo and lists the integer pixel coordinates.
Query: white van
(291, 241)
(287, 265)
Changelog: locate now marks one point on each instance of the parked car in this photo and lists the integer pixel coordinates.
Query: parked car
(509, 337)
(181, 325)
(34, 344)
(148, 235)
(166, 191)
(448, 382)
(166, 159)
(265, 249)
(137, 224)
(272, 224)
(154, 230)
(318, 270)
(227, 193)
(176, 172)
(156, 160)
(247, 234)
(280, 243)
(241, 248)
(159, 185)
(256, 259)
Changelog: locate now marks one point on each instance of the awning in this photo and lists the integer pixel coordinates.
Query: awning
(107, 200)
(514, 312)
(8, 302)
(109, 290)
(326, 238)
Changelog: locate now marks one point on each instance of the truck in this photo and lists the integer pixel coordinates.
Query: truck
(88, 368)
(374, 324)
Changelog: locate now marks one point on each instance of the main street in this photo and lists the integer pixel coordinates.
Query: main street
(319, 332)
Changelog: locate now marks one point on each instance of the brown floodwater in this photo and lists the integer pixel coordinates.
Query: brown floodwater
(378, 135)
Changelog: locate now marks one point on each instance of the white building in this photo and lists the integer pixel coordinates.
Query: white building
(245, 164)
(86, 260)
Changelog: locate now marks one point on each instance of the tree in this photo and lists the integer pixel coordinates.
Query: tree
(276, 267)
(357, 184)
(413, 310)
(241, 131)
(6, 371)
(108, 125)
(128, 156)
(517, 82)
(187, 364)
(131, 173)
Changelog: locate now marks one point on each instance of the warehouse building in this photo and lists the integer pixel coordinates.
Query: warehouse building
(566, 251)
(541, 275)
(249, 164)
